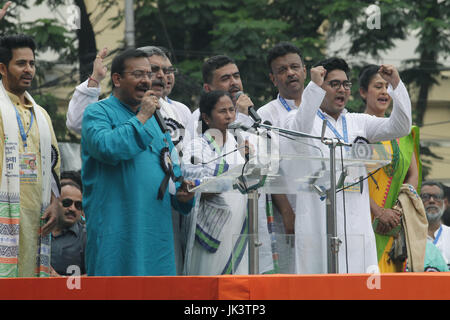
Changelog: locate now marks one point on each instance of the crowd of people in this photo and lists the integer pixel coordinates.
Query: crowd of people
(131, 210)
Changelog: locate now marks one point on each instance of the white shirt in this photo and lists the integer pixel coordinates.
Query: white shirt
(310, 223)
(177, 116)
(276, 112)
(442, 242)
(82, 97)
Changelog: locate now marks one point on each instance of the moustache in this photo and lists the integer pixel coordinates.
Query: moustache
(70, 213)
(27, 77)
(432, 207)
(158, 82)
(145, 88)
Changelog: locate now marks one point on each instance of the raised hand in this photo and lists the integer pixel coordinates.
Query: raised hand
(390, 74)
(4, 9)
(318, 75)
(99, 70)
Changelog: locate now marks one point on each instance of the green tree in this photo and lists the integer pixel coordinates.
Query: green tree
(194, 30)
(77, 49)
(429, 19)
(398, 18)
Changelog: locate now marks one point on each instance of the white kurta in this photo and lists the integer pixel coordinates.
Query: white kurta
(198, 261)
(276, 112)
(443, 242)
(358, 240)
(82, 97)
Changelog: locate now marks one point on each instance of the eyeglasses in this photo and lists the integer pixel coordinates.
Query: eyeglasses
(140, 74)
(427, 196)
(68, 202)
(165, 70)
(336, 84)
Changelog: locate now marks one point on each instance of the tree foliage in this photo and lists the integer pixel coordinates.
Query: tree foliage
(194, 30)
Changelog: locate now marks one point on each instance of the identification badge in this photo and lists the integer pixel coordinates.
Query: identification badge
(28, 168)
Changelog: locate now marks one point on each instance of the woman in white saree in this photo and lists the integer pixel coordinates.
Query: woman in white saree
(213, 245)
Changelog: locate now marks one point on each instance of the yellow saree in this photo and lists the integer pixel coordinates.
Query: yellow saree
(385, 187)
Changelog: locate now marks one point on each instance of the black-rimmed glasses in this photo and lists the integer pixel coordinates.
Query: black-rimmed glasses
(165, 70)
(336, 84)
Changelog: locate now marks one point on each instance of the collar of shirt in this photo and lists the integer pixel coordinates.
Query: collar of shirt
(76, 229)
(16, 101)
(344, 112)
(290, 103)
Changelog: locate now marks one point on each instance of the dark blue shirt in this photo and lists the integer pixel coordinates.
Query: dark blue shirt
(68, 249)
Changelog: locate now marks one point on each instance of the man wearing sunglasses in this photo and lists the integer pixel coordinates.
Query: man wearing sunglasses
(435, 203)
(325, 97)
(69, 235)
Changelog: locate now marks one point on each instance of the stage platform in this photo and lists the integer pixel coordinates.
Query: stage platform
(429, 286)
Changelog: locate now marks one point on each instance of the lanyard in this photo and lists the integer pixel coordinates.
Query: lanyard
(23, 134)
(284, 103)
(332, 128)
(438, 235)
(169, 101)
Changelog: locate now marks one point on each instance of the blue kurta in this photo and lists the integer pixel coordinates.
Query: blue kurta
(129, 231)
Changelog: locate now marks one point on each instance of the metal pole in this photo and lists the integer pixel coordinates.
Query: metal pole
(333, 241)
(253, 241)
(129, 24)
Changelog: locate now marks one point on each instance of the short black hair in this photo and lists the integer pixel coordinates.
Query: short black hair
(207, 103)
(212, 64)
(71, 183)
(10, 42)
(282, 49)
(334, 63)
(74, 176)
(118, 63)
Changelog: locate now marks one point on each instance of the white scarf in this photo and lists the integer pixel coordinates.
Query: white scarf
(10, 187)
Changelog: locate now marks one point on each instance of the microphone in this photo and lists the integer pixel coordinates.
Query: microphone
(196, 160)
(251, 110)
(239, 125)
(268, 123)
(324, 127)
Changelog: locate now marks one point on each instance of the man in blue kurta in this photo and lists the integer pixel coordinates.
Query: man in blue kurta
(125, 164)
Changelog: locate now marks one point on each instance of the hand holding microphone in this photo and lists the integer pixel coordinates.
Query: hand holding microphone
(245, 105)
(150, 107)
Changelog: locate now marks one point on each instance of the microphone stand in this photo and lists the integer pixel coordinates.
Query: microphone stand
(333, 242)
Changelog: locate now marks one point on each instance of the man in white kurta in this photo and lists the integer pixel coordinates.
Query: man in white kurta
(435, 203)
(287, 73)
(328, 93)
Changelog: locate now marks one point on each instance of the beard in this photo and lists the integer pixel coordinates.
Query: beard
(434, 212)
